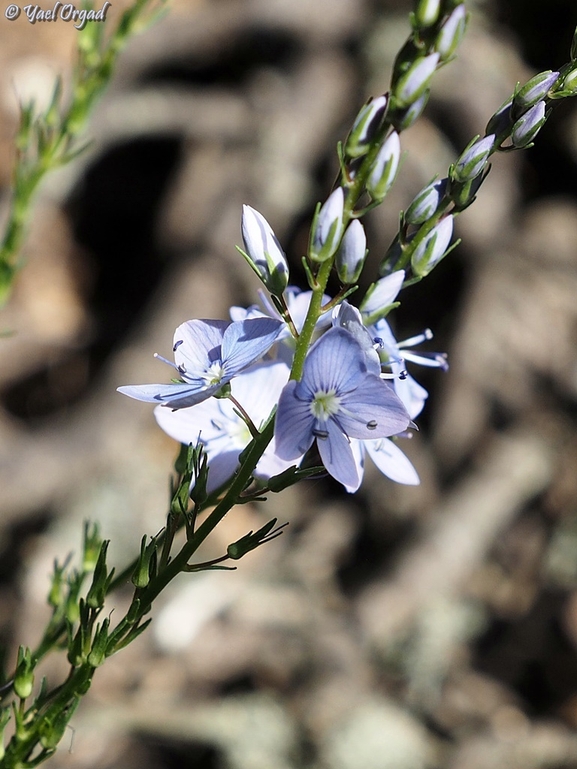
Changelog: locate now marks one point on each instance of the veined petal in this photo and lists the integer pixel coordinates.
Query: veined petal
(337, 456)
(197, 344)
(173, 395)
(247, 340)
(335, 362)
(294, 423)
(373, 410)
(392, 462)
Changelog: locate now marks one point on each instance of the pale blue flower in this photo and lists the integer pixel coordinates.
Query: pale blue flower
(337, 399)
(387, 456)
(222, 432)
(208, 354)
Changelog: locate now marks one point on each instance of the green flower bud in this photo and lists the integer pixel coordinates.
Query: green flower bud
(263, 252)
(451, 33)
(415, 81)
(528, 125)
(473, 160)
(404, 119)
(366, 124)
(426, 12)
(426, 203)
(24, 678)
(533, 91)
(433, 247)
(328, 227)
(351, 255)
(384, 169)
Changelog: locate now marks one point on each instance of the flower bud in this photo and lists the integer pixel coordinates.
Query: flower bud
(473, 159)
(528, 125)
(433, 247)
(97, 654)
(404, 119)
(380, 297)
(569, 84)
(412, 83)
(351, 254)
(463, 193)
(263, 252)
(24, 677)
(384, 169)
(328, 227)
(100, 580)
(533, 91)
(451, 33)
(427, 12)
(426, 202)
(365, 126)
(390, 260)
(501, 122)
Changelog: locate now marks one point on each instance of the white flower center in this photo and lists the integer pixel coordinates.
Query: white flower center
(214, 373)
(325, 404)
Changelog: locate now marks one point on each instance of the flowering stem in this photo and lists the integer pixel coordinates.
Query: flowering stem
(242, 478)
(313, 314)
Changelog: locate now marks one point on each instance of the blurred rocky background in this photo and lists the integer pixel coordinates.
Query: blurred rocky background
(432, 627)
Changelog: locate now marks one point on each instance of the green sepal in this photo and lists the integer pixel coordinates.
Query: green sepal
(101, 580)
(251, 541)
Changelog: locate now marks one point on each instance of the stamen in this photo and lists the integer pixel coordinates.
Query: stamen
(372, 425)
(177, 344)
(403, 375)
(170, 363)
(432, 359)
(321, 434)
(378, 343)
(425, 336)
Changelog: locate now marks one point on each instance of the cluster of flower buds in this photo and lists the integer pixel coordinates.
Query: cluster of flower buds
(427, 225)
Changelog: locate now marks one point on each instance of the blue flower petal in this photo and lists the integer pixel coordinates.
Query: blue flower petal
(173, 395)
(197, 344)
(336, 362)
(337, 456)
(247, 340)
(294, 424)
(373, 410)
(392, 462)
